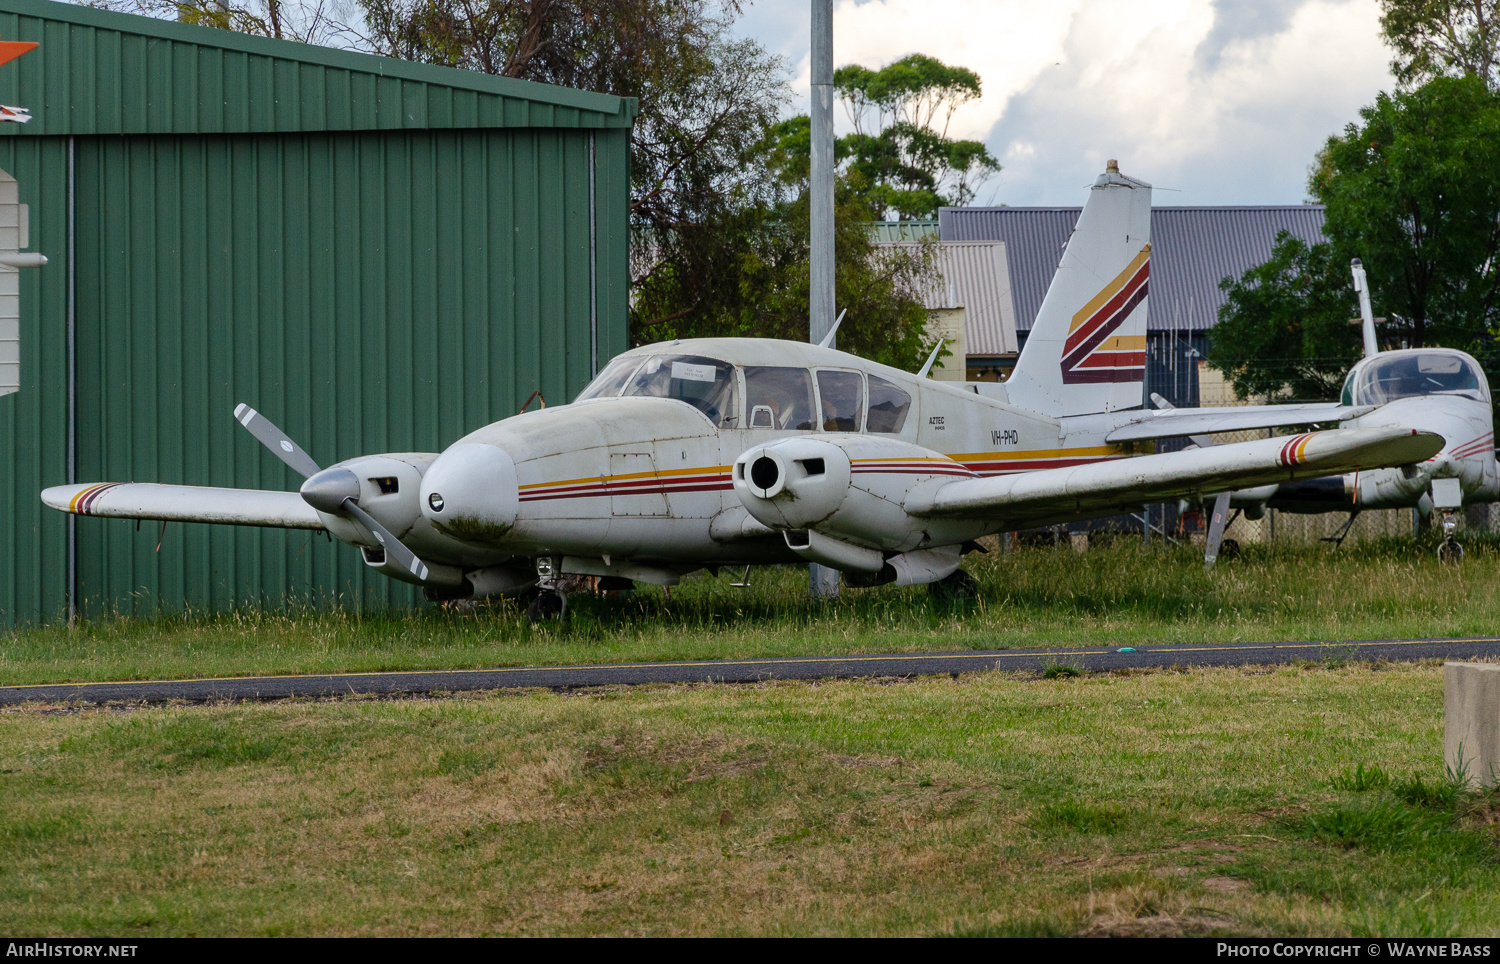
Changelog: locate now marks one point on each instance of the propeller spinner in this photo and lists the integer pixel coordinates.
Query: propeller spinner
(335, 491)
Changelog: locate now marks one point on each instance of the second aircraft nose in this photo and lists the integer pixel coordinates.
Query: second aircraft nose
(469, 493)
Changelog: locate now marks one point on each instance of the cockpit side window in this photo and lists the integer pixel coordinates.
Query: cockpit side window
(841, 395)
(607, 384)
(1419, 373)
(708, 385)
(779, 398)
(888, 407)
(1347, 397)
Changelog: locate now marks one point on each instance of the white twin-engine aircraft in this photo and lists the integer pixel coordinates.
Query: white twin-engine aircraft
(740, 452)
(1440, 390)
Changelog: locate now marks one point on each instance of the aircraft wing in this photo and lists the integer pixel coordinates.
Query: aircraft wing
(185, 503)
(1167, 423)
(1030, 499)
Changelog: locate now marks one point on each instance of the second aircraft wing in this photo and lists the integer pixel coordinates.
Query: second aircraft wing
(1174, 422)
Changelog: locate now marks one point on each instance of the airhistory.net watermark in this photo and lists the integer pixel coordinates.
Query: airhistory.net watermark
(67, 949)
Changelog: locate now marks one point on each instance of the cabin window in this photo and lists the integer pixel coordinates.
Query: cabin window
(1347, 396)
(607, 384)
(888, 407)
(779, 398)
(1409, 373)
(841, 396)
(704, 383)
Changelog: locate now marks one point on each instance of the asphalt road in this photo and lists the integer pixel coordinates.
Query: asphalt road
(747, 670)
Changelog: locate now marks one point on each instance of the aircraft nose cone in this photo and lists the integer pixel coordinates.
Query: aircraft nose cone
(469, 492)
(327, 490)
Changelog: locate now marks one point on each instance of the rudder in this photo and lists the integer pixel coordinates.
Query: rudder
(1087, 349)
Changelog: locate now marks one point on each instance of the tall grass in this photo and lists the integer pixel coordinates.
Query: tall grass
(1116, 594)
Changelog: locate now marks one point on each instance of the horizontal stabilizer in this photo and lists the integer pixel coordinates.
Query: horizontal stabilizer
(1102, 488)
(1173, 422)
(185, 503)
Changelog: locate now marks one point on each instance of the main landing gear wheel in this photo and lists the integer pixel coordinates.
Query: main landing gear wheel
(547, 605)
(955, 587)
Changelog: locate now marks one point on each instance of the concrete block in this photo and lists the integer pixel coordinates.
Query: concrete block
(1471, 720)
(1079, 541)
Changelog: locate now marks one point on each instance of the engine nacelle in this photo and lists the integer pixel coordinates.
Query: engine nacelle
(851, 488)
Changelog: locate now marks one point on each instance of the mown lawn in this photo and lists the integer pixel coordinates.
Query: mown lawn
(1113, 595)
(1296, 801)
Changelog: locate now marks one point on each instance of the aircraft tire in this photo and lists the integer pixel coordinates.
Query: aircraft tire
(955, 587)
(1450, 551)
(547, 605)
(1229, 549)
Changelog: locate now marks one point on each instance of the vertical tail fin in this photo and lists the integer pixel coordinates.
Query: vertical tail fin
(1087, 350)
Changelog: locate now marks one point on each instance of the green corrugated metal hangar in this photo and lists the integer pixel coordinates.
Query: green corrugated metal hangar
(379, 255)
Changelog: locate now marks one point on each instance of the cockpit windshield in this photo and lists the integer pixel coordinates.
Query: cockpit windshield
(1407, 374)
(607, 384)
(707, 384)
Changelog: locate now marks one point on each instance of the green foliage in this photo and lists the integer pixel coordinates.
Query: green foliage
(900, 146)
(757, 280)
(1434, 38)
(1060, 671)
(1414, 191)
(1285, 325)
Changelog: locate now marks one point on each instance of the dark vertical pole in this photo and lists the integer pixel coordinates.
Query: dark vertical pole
(822, 582)
(72, 338)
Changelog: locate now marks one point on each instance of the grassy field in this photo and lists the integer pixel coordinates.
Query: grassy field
(1114, 595)
(1298, 801)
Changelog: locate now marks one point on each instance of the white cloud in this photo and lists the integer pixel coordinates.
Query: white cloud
(1226, 102)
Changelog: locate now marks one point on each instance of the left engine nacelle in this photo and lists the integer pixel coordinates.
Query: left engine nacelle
(852, 488)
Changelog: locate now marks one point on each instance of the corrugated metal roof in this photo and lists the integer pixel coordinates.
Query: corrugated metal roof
(888, 231)
(975, 277)
(99, 72)
(1193, 248)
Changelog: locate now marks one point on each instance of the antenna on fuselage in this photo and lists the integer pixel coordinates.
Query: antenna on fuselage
(828, 338)
(931, 358)
(1362, 286)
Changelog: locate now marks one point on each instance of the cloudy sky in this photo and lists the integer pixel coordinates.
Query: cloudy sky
(1221, 101)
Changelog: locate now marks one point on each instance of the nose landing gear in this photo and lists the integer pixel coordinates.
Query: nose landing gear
(1451, 550)
(549, 603)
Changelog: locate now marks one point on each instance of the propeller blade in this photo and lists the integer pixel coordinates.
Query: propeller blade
(276, 440)
(394, 548)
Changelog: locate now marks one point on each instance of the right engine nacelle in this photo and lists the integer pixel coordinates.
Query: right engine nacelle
(849, 487)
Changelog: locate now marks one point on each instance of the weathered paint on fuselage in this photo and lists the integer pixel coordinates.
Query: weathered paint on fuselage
(1468, 452)
(643, 478)
(1466, 424)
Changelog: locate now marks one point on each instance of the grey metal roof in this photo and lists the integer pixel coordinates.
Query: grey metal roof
(1192, 248)
(975, 278)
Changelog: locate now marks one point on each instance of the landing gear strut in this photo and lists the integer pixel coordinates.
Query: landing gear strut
(549, 602)
(1451, 550)
(955, 587)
